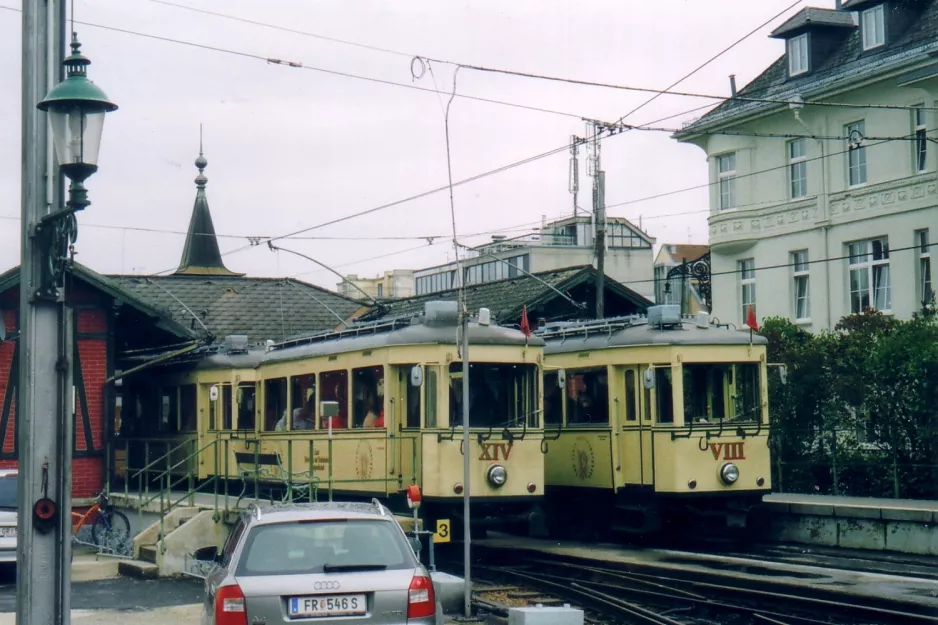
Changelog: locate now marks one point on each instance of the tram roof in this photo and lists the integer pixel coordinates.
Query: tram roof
(635, 331)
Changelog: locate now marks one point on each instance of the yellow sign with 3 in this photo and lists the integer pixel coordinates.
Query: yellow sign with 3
(442, 534)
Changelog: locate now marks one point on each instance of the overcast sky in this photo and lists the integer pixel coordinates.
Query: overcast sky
(292, 148)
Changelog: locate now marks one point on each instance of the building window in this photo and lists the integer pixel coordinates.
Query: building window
(925, 292)
(747, 284)
(798, 55)
(920, 144)
(874, 27)
(797, 168)
(726, 176)
(801, 288)
(380, 290)
(869, 275)
(856, 153)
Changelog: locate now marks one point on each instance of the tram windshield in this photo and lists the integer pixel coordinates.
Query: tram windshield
(718, 391)
(500, 395)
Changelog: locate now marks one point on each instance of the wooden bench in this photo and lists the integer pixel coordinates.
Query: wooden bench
(267, 468)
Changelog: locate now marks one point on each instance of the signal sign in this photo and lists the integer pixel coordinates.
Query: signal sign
(442, 531)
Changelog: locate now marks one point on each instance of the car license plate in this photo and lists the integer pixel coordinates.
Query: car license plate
(7, 532)
(331, 605)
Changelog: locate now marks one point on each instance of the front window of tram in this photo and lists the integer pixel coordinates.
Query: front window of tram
(500, 395)
(718, 391)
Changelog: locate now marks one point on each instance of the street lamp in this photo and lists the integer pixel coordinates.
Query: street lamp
(76, 108)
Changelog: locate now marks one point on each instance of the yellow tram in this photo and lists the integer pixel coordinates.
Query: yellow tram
(367, 410)
(651, 422)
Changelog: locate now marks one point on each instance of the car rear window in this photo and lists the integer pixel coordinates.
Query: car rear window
(8, 492)
(297, 548)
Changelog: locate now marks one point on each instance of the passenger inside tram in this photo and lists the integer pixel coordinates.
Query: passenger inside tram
(335, 388)
(369, 395)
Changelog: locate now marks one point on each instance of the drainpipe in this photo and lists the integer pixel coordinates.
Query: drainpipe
(796, 107)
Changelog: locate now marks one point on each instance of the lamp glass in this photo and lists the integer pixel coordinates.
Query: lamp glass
(76, 132)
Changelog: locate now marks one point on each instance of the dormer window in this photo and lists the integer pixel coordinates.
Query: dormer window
(874, 27)
(798, 55)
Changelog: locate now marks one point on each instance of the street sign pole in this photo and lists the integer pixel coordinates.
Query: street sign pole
(42, 425)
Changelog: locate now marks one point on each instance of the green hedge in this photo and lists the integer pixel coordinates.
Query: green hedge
(859, 413)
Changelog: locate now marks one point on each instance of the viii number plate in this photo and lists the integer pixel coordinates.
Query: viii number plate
(321, 605)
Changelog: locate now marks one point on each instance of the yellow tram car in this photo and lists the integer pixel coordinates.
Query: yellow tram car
(652, 423)
(368, 410)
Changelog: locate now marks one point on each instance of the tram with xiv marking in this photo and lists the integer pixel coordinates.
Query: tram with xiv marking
(653, 424)
(368, 410)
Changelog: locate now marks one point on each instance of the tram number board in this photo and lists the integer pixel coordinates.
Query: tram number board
(442, 534)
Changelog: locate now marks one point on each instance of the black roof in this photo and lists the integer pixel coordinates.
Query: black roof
(262, 308)
(810, 17)
(844, 63)
(506, 298)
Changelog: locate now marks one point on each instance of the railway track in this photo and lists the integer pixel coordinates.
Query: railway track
(612, 594)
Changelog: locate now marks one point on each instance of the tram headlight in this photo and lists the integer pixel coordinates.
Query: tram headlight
(729, 473)
(497, 475)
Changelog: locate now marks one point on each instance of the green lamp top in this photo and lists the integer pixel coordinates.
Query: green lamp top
(76, 89)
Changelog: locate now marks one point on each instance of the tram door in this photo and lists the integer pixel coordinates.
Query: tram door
(635, 421)
(407, 429)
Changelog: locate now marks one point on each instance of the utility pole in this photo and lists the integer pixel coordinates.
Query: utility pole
(594, 168)
(574, 182)
(43, 427)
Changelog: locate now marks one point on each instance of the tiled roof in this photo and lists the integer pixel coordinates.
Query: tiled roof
(811, 16)
(847, 61)
(505, 298)
(262, 308)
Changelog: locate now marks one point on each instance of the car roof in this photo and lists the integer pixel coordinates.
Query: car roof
(319, 511)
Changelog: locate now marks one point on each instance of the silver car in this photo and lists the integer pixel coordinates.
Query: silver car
(344, 562)
(9, 479)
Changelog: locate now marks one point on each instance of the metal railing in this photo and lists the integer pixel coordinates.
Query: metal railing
(173, 476)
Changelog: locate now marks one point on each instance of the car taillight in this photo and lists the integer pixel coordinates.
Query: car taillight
(420, 599)
(230, 608)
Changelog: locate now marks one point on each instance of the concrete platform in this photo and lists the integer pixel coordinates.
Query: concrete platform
(737, 570)
(901, 525)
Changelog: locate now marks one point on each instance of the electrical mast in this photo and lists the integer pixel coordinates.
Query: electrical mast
(594, 169)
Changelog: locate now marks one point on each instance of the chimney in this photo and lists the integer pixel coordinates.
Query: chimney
(733, 85)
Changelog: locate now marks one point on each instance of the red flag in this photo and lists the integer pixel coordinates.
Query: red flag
(525, 327)
(751, 319)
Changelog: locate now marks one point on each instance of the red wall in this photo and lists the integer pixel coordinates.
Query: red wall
(91, 319)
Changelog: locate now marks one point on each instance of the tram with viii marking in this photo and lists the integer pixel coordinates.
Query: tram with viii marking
(653, 424)
(367, 410)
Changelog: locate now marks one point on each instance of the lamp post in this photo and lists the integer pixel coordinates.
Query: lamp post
(74, 112)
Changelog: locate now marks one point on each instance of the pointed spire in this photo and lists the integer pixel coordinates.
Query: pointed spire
(201, 256)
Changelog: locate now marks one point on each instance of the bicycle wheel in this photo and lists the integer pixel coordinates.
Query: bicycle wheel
(111, 530)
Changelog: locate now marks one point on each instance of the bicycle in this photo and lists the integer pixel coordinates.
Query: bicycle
(110, 529)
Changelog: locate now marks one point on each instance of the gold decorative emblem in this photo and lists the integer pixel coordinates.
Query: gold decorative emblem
(365, 460)
(583, 460)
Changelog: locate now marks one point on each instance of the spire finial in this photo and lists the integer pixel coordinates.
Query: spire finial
(201, 162)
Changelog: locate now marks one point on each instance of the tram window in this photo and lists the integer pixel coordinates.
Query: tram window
(368, 391)
(587, 397)
(246, 417)
(430, 397)
(412, 396)
(646, 396)
(212, 406)
(553, 400)
(705, 392)
(169, 410)
(631, 399)
(226, 410)
(275, 405)
(664, 394)
(188, 404)
(500, 394)
(303, 402)
(747, 392)
(334, 387)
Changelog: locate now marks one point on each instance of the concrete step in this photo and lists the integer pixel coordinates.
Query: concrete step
(148, 553)
(138, 569)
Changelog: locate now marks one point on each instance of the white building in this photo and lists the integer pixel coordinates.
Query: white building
(391, 284)
(819, 227)
(563, 243)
